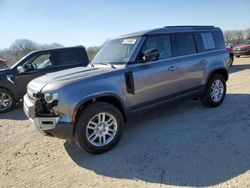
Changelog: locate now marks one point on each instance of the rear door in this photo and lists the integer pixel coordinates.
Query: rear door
(191, 64)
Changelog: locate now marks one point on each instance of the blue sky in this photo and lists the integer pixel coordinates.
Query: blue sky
(91, 22)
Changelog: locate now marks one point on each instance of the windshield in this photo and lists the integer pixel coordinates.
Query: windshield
(117, 51)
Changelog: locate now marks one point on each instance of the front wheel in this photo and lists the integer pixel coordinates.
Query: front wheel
(215, 91)
(99, 128)
(7, 101)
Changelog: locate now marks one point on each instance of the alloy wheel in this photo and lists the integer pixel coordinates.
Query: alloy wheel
(101, 129)
(217, 90)
(5, 101)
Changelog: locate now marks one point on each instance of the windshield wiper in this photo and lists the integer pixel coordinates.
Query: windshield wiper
(109, 64)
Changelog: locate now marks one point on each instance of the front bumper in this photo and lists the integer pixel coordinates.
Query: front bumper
(49, 126)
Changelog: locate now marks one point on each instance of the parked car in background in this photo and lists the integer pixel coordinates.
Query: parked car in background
(129, 74)
(231, 54)
(3, 64)
(13, 81)
(242, 49)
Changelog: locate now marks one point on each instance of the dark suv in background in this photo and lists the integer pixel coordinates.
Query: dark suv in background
(129, 74)
(13, 81)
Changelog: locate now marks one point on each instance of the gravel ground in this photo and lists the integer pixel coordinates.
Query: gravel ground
(184, 144)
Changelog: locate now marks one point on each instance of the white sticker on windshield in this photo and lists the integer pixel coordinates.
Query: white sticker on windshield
(129, 41)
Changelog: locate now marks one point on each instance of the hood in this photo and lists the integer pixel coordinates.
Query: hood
(65, 76)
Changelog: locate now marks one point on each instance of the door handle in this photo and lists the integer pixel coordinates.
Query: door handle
(203, 62)
(172, 68)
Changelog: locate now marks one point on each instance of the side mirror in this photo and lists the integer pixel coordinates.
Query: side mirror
(20, 69)
(151, 55)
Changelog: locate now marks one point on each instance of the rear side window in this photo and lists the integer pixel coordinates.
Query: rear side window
(219, 40)
(209, 41)
(184, 44)
(160, 42)
(67, 57)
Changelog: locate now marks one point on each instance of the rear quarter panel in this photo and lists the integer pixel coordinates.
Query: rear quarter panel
(215, 60)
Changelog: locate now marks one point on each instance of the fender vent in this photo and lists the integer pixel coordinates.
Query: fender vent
(129, 79)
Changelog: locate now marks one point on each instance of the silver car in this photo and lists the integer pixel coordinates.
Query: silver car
(129, 74)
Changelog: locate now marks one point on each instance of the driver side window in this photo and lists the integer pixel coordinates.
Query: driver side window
(38, 62)
(162, 43)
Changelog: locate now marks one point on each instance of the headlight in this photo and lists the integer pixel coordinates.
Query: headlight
(51, 97)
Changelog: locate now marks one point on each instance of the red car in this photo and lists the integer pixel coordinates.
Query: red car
(243, 49)
(3, 64)
(231, 54)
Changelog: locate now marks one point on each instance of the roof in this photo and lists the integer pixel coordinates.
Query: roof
(170, 29)
(57, 48)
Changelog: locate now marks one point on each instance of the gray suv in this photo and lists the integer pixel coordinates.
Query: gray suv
(129, 74)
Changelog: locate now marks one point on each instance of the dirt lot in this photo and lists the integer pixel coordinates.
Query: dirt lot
(183, 144)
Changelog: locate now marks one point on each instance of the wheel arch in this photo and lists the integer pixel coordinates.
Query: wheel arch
(11, 91)
(221, 71)
(108, 98)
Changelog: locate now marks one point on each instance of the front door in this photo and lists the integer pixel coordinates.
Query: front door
(37, 65)
(156, 79)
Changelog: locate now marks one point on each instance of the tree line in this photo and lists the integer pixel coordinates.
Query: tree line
(235, 37)
(22, 47)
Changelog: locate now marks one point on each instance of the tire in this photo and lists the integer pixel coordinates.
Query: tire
(4, 105)
(238, 56)
(218, 81)
(94, 120)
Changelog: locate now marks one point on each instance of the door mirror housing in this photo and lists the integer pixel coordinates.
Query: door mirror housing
(151, 55)
(21, 69)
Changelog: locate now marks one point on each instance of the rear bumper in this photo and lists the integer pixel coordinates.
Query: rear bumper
(49, 126)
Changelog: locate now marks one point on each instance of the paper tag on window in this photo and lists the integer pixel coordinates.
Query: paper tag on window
(129, 41)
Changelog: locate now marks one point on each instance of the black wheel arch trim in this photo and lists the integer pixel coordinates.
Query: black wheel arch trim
(11, 91)
(94, 98)
(217, 70)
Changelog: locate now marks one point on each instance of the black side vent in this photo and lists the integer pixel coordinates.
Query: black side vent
(129, 79)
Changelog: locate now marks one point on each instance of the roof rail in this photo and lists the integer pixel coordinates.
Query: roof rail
(192, 26)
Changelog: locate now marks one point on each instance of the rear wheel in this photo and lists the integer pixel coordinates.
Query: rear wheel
(99, 128)
(7, 101)
(215, 91)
